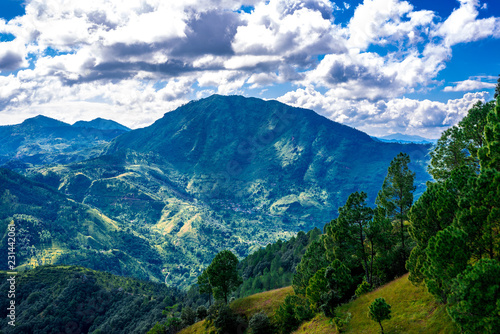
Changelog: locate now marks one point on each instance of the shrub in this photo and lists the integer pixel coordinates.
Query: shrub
(292, 313)
(363, 288)
(260, 324)
(188, 316)
(201, 312)
(379, 310)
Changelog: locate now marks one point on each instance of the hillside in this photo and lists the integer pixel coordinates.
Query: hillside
(266, 302)
(101, 124)
(229, 172)
(42, 140)
(414, 310)
(69, 299)
(51, 228)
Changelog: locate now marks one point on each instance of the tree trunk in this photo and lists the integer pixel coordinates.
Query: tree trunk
(381, 328)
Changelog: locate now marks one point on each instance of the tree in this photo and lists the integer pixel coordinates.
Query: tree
(317, 287)
(223, 274)
(259, 324)
(188, 316)
(379, 310)
(313, 260)
(348, 233)
(396, 196)
(339, 282)
(447, 256)
(435, 210)
(475, 298)
(205, 286)
(460, 144)
(291, 313)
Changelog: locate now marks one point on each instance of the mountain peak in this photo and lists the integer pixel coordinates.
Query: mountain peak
(44, 121)
(101, 124)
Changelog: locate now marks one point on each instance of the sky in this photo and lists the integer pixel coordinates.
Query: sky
(381, 66)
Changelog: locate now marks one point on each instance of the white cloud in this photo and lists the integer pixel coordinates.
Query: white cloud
(420, 117)
(462, 25)
(469, 85)
(137, 59)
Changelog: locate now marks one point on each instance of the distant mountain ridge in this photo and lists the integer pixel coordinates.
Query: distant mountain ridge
(43, 140)
(101, 124)
(229, 172)
(404, 139)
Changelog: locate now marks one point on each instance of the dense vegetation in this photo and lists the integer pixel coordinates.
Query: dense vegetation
(228, 172)
(69, 299)
(42, 140)
(449, 239)
(50, 228)
(273, 267)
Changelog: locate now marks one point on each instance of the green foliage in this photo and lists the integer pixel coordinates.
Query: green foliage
(342, 322)
(54, 298)
(396, 197)
(318, 286)
(224, 319)
(223, 274)
(260, 324)
(475, 298)
(379, 310)
(460, 144)
(447, 256)
(201, 312)
(292, 313)
(188, 316)
(274, 266)
(313, 260)
(363, 288)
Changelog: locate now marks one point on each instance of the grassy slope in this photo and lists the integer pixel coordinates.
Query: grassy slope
(413, 311)
(267, 302)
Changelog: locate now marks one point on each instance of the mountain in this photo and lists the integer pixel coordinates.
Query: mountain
(51, 228)
(70, 299)
(228, 172)
(42, 140)
(406, 139)
(101, 124)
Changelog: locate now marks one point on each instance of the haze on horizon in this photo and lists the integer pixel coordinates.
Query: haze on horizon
(381, 66)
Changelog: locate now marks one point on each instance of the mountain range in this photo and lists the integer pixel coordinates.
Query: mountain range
(405, 139)
(42, 140)
(224, 172)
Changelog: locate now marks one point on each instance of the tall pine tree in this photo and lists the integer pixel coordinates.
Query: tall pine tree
(396, 196)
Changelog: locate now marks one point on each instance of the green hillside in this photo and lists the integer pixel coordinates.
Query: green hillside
(42, 140)
(228, 172)
(413, 309)
(51, 228)
(69, 299)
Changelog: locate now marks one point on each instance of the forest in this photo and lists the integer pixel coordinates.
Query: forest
(448, 241)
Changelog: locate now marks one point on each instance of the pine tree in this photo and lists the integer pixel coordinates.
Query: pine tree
(223, 274)
(396, 196)
(378, 311)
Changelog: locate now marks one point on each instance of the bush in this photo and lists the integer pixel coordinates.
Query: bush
(475, 298)
(188, 316)
(379, 310)
(292, 313)
(260, 324)
(228, 322)
(201, 312)
(363, 288)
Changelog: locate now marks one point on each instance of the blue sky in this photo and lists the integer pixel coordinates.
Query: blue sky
(382, 66)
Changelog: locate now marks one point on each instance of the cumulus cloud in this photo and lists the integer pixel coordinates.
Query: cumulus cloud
(469, 85)
(421, 117)
(138, 59)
